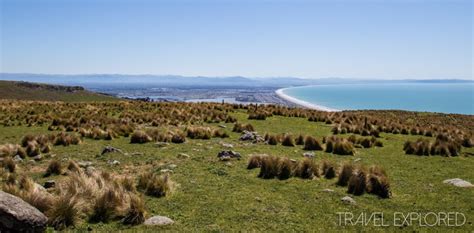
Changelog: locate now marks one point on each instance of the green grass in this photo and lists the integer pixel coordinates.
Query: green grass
(45, 92)
(218, 196)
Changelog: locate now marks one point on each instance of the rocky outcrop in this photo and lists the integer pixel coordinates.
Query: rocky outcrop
(18, 216)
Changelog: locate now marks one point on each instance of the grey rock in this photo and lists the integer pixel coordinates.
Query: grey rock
(84, 164)
(49, 184)
(172, 166)
(223, 126)
(17, 159)
(17, 215)
(90, 170)
(459, 183)
(113, 162)
(357, 160)
(348, 200)
(111, 149)
(328, 190)
(225, 155)
(227, 145)
(38, 158)
(251, 136)
(166, 171)
(308, 154)
(158, 221)
(183, 156)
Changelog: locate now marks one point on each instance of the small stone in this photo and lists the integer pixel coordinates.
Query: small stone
(229, 154)
(49, 184)
(90, 170)
(38, 158)
(227, 145)
(357, 160)
(183, 156)
(172, 166)
(158, 221)
(459, 183)
(17, 159)
(308, 154)
(328, 190)
(113, 162)
(293, 160)
(84, 164)
(228, 164)
(348, 200)
(223, 126)
(166, 171)
(162, 144)
(110, 149)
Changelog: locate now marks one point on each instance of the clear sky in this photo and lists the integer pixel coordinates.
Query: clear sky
(393, 39)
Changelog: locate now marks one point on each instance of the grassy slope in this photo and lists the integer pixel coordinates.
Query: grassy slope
(215, 196)
(10, 90)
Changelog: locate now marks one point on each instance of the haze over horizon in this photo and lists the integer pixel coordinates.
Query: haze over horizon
(304, 39)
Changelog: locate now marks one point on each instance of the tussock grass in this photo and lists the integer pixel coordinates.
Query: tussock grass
(140, 136)
(311, 143)
(288, 140)
(345, 174)
(54, 168)
(154, 185)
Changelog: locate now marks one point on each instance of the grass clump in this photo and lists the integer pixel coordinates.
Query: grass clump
(154, 185)
(345, 174)
(311, 143)
(140, 136)
(54, 168)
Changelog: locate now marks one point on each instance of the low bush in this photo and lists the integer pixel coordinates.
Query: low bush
(140, 136)
(311, 143)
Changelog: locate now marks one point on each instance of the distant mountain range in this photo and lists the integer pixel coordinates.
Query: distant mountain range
(119, 80)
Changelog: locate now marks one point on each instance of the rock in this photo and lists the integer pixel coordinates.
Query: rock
(166, 171)
(227, 145)
(110, 149)
(158, 221)
(251, 136)
(172, 166)
(38, 158)
(49, 184)
(348, 200)
(162, 144)
(226, 155)
(223, 126)
(113, 162)
(17, 215)
(183, 156)
(17, 159)
(328, 190)
(84, 164)
(293, 160)
(459, 183)
(309, 154)
(90, 170)
(357, 160)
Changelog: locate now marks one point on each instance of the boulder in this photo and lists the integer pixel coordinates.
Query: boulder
(110, 149)
(158, 221)
(226, 155)
(17, 215)
(251, 136)
(308, 155)
(459, 183)
(49, 184)
(17, 159)
(348, 200)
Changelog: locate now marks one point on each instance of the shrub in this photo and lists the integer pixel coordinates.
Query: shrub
(136, 212)
(219, 133)
(311, 143)
(26, 139)
(178, 138)
(154, 185)
(288, 140)
(140, 136)
(343, 147)
(105, 206)
(272, 140)
(64, 213)
(32, 149)
(9, 164)
(199, 133)
(239, 127)
(378, 185)
(285, 168)
(328, 170)
(306, 169)
(345, 174)
(357, 183)
(300, 140)
(269, 167)
(255, 161)
(73, 167)
(54, 168)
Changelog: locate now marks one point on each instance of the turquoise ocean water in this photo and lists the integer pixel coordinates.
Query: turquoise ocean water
(429, 97)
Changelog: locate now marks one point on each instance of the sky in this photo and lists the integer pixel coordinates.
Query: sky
(375, 39)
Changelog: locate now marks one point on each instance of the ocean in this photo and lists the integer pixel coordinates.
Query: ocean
(425, 97)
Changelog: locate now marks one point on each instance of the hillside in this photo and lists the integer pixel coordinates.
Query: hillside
(46, 92)
(109, 166)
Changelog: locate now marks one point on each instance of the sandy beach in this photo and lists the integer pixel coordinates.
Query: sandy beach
(302, 103)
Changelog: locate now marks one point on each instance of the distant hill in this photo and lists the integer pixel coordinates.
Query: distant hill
(47, 92)
(92, 81)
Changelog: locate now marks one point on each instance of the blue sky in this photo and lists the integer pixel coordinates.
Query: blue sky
(393, 39)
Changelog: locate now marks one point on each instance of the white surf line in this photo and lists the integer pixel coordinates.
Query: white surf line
(303, 103)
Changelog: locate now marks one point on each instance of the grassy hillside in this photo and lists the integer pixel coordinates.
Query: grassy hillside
(46, 92)
(208, 194)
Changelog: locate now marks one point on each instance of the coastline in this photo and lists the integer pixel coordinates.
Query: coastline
(302, 103)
